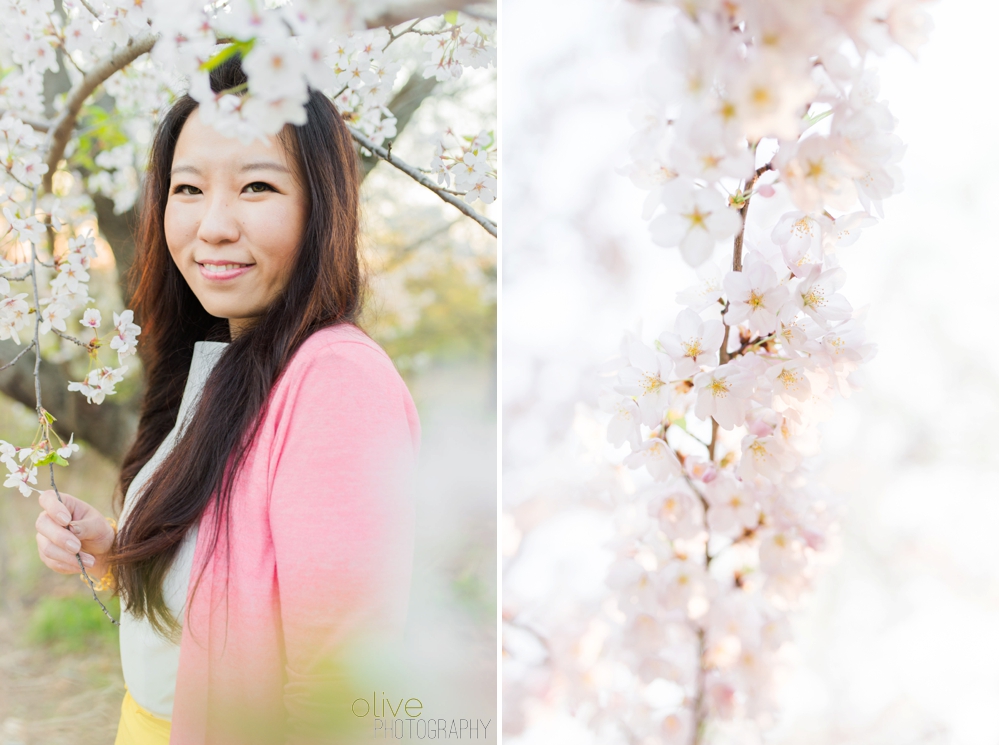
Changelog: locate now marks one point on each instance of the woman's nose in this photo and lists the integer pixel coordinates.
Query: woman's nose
(218, 223)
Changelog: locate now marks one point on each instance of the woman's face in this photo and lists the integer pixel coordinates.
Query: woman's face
(234, 218)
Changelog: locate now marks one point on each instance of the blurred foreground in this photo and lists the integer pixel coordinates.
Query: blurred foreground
(60, 672)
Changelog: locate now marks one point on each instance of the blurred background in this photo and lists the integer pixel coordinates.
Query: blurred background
(897, 645)
(432, 306)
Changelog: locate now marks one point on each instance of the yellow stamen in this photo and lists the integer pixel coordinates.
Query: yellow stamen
(650, 383)
(719, 387)
(697, 218)
(813, 299)
(691, 348)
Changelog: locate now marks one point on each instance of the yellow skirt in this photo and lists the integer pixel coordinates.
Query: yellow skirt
(139, 727)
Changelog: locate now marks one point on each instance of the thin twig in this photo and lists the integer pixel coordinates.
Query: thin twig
(393, 36)
(73, 339)
(415, 174)
(38, 397)
(89, 7)
(19, 356)
(700, 717)
(700, 720)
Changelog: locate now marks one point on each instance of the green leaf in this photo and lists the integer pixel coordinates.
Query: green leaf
(52, 457)
(99, 131)
(815, 119)
(48, 417)
(451, 17)
(237, 47)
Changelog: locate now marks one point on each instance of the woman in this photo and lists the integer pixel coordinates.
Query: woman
(265, 527)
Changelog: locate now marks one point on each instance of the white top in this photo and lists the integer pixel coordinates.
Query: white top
(149, 661)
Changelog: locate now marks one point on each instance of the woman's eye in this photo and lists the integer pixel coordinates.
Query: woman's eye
(259, 187)
(186, 189)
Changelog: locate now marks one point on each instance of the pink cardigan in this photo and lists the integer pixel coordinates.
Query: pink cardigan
(321, 542)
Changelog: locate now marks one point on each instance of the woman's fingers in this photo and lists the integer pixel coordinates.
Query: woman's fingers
(59, 559)
(57, 535)
(94, 531)
(61, 512)
(65, 528)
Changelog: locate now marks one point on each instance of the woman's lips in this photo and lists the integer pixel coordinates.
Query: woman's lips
(219, 272)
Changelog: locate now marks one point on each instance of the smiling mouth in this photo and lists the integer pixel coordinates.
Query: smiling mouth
(222, 267)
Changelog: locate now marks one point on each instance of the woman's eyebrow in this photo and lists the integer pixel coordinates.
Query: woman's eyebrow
(264, 165)
(185, 169)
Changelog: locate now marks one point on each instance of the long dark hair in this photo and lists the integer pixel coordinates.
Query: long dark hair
(325, 288)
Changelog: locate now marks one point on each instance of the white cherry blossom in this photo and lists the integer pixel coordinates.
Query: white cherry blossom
(658, 457)
(733, 507)
(756, 297)
(646, 380)
(91, 318)
(678, 512)
(695, 342)
(816, 294)
(707, 292)
(694, 221)
(723, 395)
(765, 456)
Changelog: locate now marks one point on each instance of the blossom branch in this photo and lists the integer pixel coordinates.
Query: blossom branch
(90, 8)
(42, 414)
(759, 386)
(414, 173)
(62, 128)
(393, 16)
(410, 29)
(73, 339)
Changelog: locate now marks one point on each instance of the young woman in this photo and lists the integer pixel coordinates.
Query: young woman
(265, 523)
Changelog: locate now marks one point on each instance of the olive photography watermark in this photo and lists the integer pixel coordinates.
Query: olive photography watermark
(404, 718)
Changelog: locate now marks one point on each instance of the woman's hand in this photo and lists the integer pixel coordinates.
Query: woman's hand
(70, 527)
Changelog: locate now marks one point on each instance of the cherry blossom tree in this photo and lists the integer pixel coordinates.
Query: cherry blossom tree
(82, 83)
(721, 535)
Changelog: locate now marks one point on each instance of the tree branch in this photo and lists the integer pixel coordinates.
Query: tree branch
(90, 8)
(62, 127)
(414, 173)
(400, 12)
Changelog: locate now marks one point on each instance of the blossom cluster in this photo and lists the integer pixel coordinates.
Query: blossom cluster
(21, 475)
(287, 49)
(755, 100)
(470, 161)
(459, 45)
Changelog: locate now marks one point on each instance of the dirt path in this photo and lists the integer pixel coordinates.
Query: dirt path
(49, 698)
